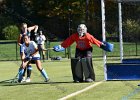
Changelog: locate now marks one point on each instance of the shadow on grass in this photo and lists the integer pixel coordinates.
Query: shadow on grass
(11, 83)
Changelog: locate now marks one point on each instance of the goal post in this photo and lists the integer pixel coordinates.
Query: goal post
(120, 23)
(103, 33)
(125, 13)
(127, 0)
(120, 30)
(128, 29)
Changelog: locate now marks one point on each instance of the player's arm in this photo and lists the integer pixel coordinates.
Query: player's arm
(44, 38)
(64, 44)
(35, 28)
(103, 45)
(37, 38)
(22, 53)
(95, 41)
(22, 56)
(69, 41)
(25, 60)
(36, 49)
(34, 53)
(19, 40)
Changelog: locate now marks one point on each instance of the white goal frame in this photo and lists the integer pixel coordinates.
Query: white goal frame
(120, 27)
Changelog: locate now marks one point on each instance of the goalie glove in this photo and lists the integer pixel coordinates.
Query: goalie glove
(58, 48)
(107, 46)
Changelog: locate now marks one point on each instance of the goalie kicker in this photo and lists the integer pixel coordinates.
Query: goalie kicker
(82, 63)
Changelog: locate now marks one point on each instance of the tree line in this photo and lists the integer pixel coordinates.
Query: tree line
(59, 18)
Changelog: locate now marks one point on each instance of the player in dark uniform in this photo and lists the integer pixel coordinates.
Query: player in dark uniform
(82, 63)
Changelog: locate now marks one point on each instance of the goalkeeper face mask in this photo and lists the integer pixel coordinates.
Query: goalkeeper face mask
(82, 30)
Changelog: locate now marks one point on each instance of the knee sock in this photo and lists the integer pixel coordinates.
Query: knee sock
(44, 74)
(24, 72)
(20, 74)
(29, 70)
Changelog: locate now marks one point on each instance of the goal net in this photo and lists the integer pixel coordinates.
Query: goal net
(130, 14)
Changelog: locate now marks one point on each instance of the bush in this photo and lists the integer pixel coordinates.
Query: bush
(5, 21)
(10, 32)
(131, 30)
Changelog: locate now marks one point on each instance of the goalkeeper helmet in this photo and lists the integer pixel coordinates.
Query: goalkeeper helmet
(82, 29)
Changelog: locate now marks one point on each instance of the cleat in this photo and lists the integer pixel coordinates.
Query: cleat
(47, 80)
(89, 80)
(19, 81)
(23, 79)
(28, 79)
(75, 81)
(78, 81)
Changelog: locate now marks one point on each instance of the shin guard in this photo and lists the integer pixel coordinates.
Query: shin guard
(44, 74)
(29, 70)
(20, 74)
(88, 68)
(76, 68)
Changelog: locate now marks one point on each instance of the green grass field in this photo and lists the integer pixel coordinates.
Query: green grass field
(61, 84)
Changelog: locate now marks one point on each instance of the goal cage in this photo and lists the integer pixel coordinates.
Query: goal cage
(127, 33)
(126, 29)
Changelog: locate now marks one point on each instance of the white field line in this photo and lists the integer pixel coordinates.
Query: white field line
(81, 91)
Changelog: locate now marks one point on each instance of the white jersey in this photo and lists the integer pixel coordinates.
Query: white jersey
(30, 49)
(40, 39)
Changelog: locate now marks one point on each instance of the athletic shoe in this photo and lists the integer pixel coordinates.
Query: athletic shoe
(138, 84)
(28, 79)
(78, 81)
(23, 79)
(75, 81)
(88, 80)
(47, 80)
(19, 81)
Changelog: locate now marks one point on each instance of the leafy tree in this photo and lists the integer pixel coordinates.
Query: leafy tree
(10, 32)
(53, 15)
(131, 30)
(4, 21)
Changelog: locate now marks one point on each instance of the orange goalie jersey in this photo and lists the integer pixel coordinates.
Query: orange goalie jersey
(82, 43)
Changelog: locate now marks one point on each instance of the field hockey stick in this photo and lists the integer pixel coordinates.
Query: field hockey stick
(4, 81)
(47, 49)
(14, 80)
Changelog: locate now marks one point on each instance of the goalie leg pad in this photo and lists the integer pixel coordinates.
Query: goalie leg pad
(77, 71)
(88, 68)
